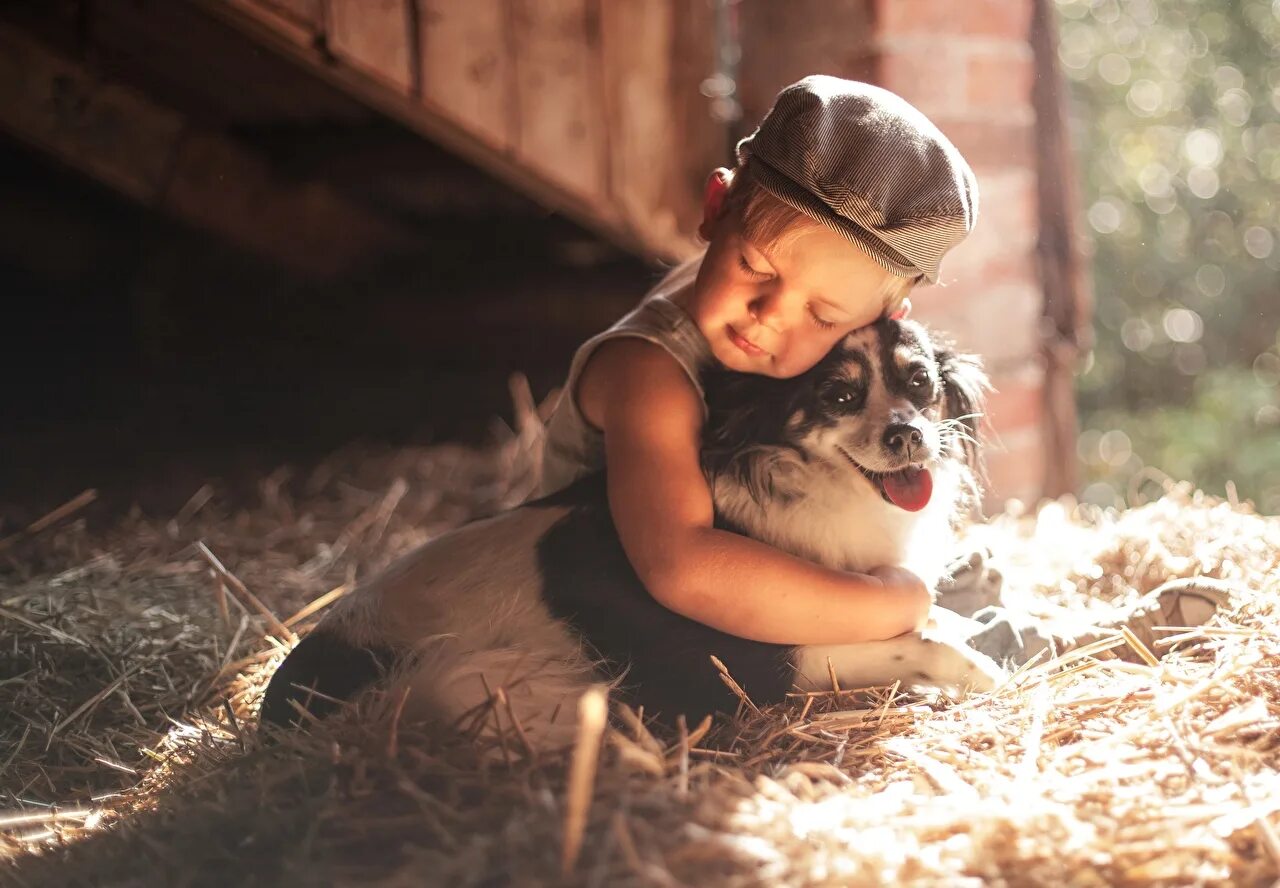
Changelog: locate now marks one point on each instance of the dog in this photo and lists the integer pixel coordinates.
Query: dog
(870, 458)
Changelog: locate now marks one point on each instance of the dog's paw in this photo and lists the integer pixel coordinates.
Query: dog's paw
(971, 583)
(952, 665)
(1009, 637)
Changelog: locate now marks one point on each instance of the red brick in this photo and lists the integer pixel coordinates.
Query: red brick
(994, 145)
(1009, 267)
(1018, 471)
(999, 78)
(987, 258)
(986, 18)
(1008, 217)
(1016, 404)
(932, 81)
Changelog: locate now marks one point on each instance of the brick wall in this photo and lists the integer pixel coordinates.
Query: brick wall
(969, 66)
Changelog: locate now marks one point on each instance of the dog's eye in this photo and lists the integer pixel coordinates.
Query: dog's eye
(920, 378)
(840, 394)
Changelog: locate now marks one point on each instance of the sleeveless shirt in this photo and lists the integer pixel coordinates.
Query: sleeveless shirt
(573, 446)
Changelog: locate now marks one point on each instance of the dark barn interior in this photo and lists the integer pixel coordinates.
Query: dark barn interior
(152, 343)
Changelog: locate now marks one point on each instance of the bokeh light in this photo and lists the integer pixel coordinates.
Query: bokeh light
(1176, 117)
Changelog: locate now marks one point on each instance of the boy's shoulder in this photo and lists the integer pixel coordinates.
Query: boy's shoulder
(636, 372)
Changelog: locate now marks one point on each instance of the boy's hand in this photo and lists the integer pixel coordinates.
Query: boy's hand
(892, 575)
(907, 584)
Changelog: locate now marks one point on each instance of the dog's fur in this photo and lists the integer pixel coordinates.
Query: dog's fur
(541, 601)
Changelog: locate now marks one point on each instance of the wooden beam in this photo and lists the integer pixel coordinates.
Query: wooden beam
(560, 134)
(593, 209)
(374, 36)
(1068, 298)
(299, 20)
(637, 76)
(151, 154)
(468, 66)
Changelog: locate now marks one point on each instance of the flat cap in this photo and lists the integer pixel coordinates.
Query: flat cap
(865, 162)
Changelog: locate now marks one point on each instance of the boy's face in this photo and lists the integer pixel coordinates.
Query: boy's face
(778, 309)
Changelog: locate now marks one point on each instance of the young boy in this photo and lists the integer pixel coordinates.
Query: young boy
(841, 201)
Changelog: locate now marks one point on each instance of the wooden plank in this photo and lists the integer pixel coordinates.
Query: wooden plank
(559, 107)
(300, 29)
(308, 13)
(701, 141)
(782, 42)
(214, 72)
(112, 134)
(1068, 298)
(590, 209)
(152, 155)
(306, 226)
(374, 36)
(467, 66)
(636, 44)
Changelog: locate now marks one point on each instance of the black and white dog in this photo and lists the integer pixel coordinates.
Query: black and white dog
(868, 459)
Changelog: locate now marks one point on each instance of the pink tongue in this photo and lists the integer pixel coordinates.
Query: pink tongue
(909, 489)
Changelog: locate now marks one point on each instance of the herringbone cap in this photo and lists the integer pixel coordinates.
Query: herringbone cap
(865, 162)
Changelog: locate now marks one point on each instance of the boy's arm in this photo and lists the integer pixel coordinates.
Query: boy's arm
(651, 417)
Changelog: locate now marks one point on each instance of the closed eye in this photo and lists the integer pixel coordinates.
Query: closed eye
(747, 269)
(824, 324)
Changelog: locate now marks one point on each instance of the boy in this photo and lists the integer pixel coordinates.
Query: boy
(842, 200)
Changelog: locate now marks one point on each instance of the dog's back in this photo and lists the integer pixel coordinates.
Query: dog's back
(497, 598)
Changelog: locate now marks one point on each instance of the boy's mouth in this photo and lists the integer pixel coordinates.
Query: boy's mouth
(745, 344)
(909, 488)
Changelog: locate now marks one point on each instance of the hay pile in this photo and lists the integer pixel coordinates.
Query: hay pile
(130, 671)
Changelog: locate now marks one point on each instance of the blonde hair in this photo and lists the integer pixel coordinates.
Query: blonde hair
(769, 222)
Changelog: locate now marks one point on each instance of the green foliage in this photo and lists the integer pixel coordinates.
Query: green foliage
(1177, 107)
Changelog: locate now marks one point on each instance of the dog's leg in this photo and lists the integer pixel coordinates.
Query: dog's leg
(913, 658)
(321, 672)
(450, 684)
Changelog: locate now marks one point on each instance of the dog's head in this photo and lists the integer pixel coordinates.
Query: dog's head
(887, 405)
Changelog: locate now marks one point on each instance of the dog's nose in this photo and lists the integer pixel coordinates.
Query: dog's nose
(901, 437)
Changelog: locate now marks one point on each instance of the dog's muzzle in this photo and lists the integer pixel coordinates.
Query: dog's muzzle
(909, 488)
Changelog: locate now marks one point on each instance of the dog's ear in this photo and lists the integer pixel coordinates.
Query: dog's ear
(964, 386)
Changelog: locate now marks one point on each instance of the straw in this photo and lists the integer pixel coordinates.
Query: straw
(133, 756)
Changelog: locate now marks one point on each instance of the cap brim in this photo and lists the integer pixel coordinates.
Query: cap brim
(798, 198)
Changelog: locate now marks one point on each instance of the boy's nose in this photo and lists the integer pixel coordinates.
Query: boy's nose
(769, 311)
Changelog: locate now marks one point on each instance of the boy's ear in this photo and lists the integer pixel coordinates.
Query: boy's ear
(713, 200)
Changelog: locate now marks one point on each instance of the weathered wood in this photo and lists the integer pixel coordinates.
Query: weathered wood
(111, 133)
(213, 72)
(309, 13)
(700, 141)
(782, 42)
(1066, 329)
(636, 45)
(467, 70)
(373, 36)
(150, 154)
(300, 20)
(559, 107)
(529, 104)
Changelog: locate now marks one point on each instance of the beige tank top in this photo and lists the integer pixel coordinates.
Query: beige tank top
(573, 446)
